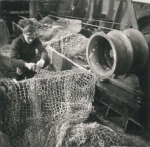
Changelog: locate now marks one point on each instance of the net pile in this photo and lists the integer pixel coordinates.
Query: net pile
(46, 33)
(70, 44)
(50, 110)
(71, 25)
(45, 100)
(46, 20)
(93, 135)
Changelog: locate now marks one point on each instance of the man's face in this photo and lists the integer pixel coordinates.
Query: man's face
(29, 38)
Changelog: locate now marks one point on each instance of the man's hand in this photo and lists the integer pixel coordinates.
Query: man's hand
(30, 66)
(40, 63)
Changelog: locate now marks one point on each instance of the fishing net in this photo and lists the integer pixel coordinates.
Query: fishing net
(66, 134)
(46, 33)
(50, 109)
(92, 135)
(72, 25)
(46, 20)
(69, 44)
(4, 35)
(35, 105)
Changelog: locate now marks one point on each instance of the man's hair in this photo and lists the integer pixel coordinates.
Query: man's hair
(29, 30)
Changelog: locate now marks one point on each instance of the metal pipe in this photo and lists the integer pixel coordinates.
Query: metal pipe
(87, 19)
(97, 26)
(89, 24)
(82, 23)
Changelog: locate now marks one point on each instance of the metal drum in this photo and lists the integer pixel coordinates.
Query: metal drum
(140, 49)
(117, 52)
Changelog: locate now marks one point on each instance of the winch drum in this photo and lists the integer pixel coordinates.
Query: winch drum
(117, 52)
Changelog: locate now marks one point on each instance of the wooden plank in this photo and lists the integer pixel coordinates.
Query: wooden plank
(60, 61)
(132, 15)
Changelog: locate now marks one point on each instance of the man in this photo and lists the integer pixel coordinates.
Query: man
(23, 53)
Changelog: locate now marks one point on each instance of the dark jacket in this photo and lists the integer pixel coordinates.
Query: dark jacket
(22, 52)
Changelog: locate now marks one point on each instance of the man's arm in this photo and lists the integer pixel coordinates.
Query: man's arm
(14, 56)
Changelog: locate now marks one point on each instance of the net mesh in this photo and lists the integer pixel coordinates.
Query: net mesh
(48, 98)
(46, 33)
(50, 110)
(69, 44)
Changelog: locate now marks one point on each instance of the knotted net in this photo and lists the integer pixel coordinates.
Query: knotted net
(50, 110)
(46, 99)
(69, 44)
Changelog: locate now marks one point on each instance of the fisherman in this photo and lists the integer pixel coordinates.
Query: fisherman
(23, 54)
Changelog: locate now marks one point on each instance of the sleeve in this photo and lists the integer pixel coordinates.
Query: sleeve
(14, 56)
(42, 50)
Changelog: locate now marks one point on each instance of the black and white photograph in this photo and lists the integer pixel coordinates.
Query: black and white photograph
(74, 73)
